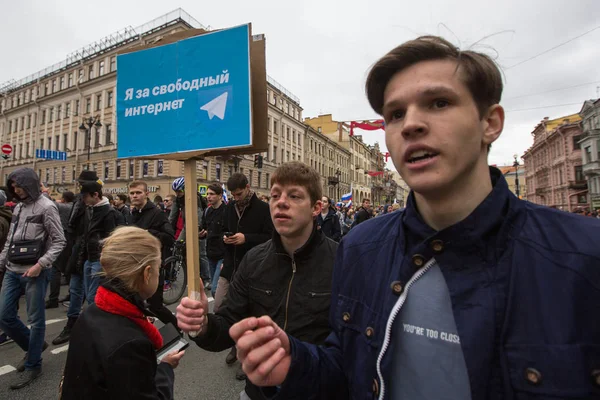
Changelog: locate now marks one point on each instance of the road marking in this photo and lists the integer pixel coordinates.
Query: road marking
(6, 369)
(52, 321)
(60, 349)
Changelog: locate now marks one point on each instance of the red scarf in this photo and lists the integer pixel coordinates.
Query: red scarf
(113, 303)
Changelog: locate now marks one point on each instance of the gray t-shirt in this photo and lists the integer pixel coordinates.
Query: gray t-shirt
(428, 362)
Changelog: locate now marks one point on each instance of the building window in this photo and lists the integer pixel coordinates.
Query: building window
(63, 174)
(71, 79)
(113, 63)
(294, 136)
(91, 72)
(55, 175)
(576, 139)
(54, 86)
(46, 89)
(98, 102)
(62, 82)
(274, 154)
(76, 110)
(588, 154)
(42, 144)
(51, 114)
(267, 183)
(47, 176)
(29, 121)
(68, 110)
(288, 156)
(582, 198)
(96, 137)
(288, 133)
(65, 139)
(108, 138)
(218, 172)
(80, 77)
(118, 170)
(109, 99)
(59, 112)
(73, 173)
(131, 168)
(230, 170)
(88, 105)
(275, 127)
(101, 72)
(57, 142)
(106, 169)
(579, 173)
(145, 169)
(269, 124)
(27, 150)
(75, 135)
(259, 179)
(251, 177)
(50, 143)
(160, 167)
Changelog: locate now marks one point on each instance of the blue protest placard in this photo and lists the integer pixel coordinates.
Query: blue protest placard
(191, 95)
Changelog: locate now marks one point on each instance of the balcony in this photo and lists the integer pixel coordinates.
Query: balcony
(333, 180)
(577, 185)
(591, 168)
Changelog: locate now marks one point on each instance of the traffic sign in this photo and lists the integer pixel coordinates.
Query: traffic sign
(191, 95)
(51, 154)
(7, 148)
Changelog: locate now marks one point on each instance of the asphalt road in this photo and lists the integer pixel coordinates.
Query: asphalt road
(200, 375)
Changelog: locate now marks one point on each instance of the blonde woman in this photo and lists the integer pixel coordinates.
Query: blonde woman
(112, 352)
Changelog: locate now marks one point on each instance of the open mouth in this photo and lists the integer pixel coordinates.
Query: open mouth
(420, 156)
(281, 216)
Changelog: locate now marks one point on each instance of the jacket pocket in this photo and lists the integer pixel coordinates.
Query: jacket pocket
(549, 372)
(264, 297)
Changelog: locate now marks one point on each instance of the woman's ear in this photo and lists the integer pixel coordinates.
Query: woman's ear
(147, 272)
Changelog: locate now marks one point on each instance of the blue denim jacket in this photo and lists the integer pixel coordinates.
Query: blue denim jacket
(524, 281)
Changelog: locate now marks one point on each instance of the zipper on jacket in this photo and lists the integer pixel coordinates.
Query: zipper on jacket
(390, 322)
(315, 294)
(287, 301)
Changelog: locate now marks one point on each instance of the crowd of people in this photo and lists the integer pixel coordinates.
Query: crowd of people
(466, 293)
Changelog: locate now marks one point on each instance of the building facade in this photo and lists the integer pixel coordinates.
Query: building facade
(46, 111)
(511, 173)
(590, 146)
(364, 159)
(553, 168)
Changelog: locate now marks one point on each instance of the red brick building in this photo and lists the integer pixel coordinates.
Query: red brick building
(554, 175)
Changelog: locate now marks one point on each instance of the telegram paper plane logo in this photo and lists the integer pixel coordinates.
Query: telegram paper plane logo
(216, 107)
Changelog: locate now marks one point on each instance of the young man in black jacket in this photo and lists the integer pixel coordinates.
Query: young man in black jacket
(287, 278)
(146, 215)
(212, 230)
(99, 220)
(328, 221)
(363, 213)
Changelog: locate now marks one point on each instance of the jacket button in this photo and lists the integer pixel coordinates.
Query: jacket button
(596, 377)
(346, 317)
(418, 260)
(437, 246)
(375, 387)
(533, 376)
(397, 287)
(369, 332)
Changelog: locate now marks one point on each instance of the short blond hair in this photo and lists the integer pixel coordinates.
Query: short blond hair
(395, 207)
(126, 253)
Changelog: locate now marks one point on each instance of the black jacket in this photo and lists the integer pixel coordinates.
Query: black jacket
(213, 223)
(330, 226)
(294, 292)
(255, 224)
(111, 357)
(126, 213)
(152, 219)
(100, 221)
(361, 216)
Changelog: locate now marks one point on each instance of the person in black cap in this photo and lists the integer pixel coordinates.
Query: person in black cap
(99, 220)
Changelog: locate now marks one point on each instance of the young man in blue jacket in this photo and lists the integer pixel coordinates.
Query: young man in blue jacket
(469, 293)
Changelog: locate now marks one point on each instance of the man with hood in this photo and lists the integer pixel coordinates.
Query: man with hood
(36, 219)
(99, 220)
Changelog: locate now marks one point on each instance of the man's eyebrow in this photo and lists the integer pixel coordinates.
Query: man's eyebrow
(429, 91)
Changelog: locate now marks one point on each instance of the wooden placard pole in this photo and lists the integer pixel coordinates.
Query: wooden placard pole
(191, 230)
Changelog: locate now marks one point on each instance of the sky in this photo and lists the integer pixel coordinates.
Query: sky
(321, 51)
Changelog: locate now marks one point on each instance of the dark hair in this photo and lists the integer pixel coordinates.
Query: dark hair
(237, 181)
(109, 196)
(363, 200)
(123, 197)
(480, 73)
(91, 187)
(68, 197)
(215, 188)
(158, 199)
(297, 173)
(328, 200)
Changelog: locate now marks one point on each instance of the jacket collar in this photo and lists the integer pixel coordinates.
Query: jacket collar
(316, 237)
(483, 223)
(116, 285)
(149, 205)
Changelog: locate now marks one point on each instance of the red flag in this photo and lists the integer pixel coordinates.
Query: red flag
(371, 125)
(375, 173)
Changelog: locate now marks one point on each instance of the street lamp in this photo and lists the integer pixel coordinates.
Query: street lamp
(338, 173)
(86, 127)
(516, 165)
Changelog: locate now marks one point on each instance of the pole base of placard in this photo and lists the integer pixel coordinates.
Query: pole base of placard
(194, 296)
